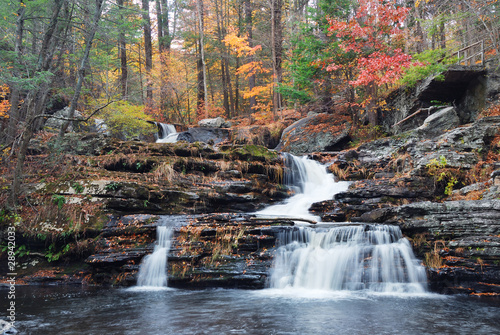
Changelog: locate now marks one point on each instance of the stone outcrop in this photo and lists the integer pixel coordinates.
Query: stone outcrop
(465, 87)
(411, 180)
(217, 122)
(314, 133)
(214, 250)
(208, 135)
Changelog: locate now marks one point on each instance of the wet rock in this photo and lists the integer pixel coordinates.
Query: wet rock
(369, 195)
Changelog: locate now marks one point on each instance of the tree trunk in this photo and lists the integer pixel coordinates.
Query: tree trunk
(277, 42)
(83, 63)
(223, 55)
(199, 5)
(122, 53)
(148, 51)
(249, 28)
(43, 64)
(14, 89)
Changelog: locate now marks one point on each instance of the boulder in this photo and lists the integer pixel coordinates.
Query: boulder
(314, 133)
(217, 122)
(55, 123)
(439, 122)
(204, 134)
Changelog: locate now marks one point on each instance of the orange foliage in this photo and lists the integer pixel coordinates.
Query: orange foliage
(4, 103)
(493, 110)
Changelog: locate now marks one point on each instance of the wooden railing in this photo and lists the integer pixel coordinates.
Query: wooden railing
(471, 55)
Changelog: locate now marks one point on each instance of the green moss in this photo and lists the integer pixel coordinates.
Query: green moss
(253, 152)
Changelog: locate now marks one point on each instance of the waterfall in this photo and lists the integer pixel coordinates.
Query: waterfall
(166, 133)
(375, 258)
(153, 269)
(311, 182)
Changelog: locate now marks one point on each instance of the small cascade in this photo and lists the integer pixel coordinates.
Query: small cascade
(375, 258)
(153, 269)
(166, 133)
(311, 182)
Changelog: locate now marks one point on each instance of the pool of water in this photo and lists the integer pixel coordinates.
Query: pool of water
(70, 310)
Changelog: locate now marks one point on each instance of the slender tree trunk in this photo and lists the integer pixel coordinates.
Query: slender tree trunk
(199, 5)
(223, 56)
(277, 41)
(162, 19)
(249, 28)
(122, 52)
(200, 82)
(83, 63)
(148, 51)
(159, 20)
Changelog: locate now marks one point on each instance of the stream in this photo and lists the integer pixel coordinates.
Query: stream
(71, 310)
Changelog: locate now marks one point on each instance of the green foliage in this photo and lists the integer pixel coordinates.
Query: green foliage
(78, 187)
(113, 186)
(311, 49)
(428, 63)
(58, 200)
(52, 254)
(438, 169)
(128, 120)
(7, 216)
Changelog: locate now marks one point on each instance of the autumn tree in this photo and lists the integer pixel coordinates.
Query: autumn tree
(374, 35)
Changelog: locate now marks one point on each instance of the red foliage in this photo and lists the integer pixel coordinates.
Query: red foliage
(373, 35)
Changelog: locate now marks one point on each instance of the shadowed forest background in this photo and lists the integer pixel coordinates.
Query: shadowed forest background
(251, 61)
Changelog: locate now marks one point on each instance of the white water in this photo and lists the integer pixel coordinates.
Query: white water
(169, 133)
(311, 182)
(153, 269)
(374, 257)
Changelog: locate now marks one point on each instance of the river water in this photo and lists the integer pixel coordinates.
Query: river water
(57, 310)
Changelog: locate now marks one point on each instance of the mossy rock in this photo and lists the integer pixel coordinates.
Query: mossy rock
(253, 152)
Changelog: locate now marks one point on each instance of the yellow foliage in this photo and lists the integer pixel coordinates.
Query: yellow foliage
(4, 103)
(240, 45)
(128, 119)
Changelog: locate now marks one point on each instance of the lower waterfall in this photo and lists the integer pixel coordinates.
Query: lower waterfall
(153, 269)
(364, 257)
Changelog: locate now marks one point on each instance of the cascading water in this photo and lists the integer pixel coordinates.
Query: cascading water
(311, 182)
(153, 269)
(373, 257)
(167, 133)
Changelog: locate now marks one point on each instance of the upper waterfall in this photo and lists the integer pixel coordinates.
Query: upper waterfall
(311, 182)
(166, 133)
